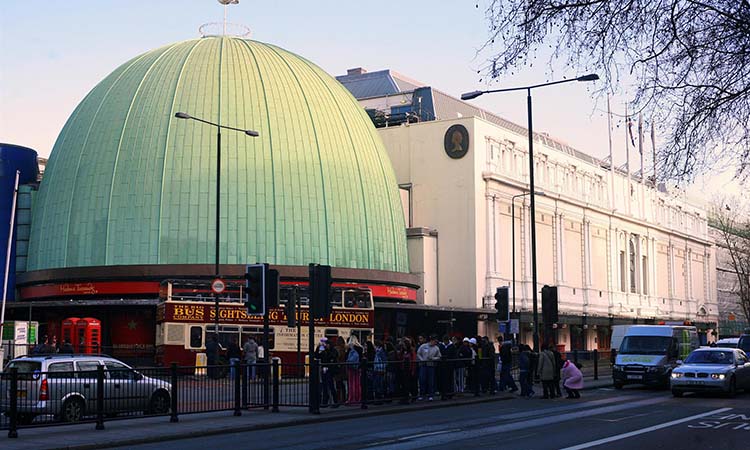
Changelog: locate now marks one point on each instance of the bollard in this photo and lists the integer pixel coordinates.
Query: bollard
(266, 384)
(475, 378)
(596, 364)
(99, 397)
(314, 396)
(363, 382)
(173, 372)
(237, 370)
(276, 380)
(13, 426)
(245, 382)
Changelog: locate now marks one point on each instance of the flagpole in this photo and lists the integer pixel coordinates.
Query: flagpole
(640, 150)
(611, 157)
(627, 156)
(640, 142)
(7, 256)
(653, 148)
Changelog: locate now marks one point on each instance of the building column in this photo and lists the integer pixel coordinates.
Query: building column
(560, 221)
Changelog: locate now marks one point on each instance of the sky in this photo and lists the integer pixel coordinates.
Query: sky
(54, 52)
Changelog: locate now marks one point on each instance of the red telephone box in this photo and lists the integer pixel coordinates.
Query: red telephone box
(69, 331)
(89, 332)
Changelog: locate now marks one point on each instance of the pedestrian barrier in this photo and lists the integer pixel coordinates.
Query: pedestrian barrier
(99, 394)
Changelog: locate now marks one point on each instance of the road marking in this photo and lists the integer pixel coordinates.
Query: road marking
(622, 418)
(470, 433)
(644, 430)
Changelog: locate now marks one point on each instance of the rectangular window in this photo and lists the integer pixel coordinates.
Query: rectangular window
(87, 369)
(644, 275)
(60, 370)
(623, 272)
(196, 337)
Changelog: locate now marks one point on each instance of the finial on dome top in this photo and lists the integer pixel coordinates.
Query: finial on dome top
(220, 29)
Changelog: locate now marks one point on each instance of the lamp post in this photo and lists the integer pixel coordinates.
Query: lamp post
(532, 212)
(252, 133)
(513, 238)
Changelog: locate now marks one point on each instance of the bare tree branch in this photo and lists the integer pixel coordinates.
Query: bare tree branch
(691, 59)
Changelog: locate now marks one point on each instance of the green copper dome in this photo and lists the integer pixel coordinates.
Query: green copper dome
(128, 183)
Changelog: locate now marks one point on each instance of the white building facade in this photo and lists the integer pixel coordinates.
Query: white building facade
(618, 250)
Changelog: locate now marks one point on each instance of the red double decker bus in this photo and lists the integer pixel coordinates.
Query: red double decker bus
(186, 315)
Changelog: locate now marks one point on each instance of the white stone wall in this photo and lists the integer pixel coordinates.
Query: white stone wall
(586, 223)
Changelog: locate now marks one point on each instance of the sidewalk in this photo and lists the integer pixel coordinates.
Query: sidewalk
(155, 429)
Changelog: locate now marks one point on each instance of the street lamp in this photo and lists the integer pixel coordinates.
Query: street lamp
(513, 238)
(252, 133)
(532, 212)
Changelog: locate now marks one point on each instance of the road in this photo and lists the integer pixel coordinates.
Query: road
(629, 419)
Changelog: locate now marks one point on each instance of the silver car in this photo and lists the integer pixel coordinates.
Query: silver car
(65, 386)
(714, 369)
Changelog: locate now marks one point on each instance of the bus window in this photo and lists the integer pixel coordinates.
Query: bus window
(336, 295)
(349, 299)
(196, 337)
(357, 299)
(362, 335)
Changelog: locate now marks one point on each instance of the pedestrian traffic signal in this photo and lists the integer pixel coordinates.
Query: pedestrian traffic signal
(549, 304)
(320, 291)
(255, 288)
(501, 304)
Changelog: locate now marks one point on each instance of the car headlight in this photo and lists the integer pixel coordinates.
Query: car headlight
(616, 367)
(676, 375)
(718, 376)
(653, 369)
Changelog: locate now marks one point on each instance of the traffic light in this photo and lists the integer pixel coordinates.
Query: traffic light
(291, 309)
(272, 288)
(320, 291)
(255, 288)
(501, 305)
(549, 304)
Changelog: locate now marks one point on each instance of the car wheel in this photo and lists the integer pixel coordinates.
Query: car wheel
(618, 385)
(677, 393)
(160, 403)
(732, 387)
(72, 410)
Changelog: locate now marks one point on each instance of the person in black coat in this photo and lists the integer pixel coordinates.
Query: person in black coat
(558, 367)
(448, 353)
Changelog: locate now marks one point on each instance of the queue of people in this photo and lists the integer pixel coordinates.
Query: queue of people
(410, 370)
(49, 346)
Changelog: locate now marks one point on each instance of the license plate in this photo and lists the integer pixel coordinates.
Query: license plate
(635, 377)
(696, 382)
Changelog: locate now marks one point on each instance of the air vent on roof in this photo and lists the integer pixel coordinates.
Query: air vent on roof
(356, 71)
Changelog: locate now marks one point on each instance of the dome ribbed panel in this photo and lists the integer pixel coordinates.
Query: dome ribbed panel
(127, 183)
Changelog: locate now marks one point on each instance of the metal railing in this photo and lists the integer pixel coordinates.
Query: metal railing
(32, 398)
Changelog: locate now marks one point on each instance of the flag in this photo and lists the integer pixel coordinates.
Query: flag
(640, 135)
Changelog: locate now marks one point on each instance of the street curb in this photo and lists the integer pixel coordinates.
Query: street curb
(266, 426)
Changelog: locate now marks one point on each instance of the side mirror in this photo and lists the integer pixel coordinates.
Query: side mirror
(678, 362)
(137, 376)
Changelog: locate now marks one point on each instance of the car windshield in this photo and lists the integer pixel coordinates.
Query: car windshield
(710, 357)
(645, 345)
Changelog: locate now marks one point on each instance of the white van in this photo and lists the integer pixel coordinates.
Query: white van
(618, 333)
(648, 353)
